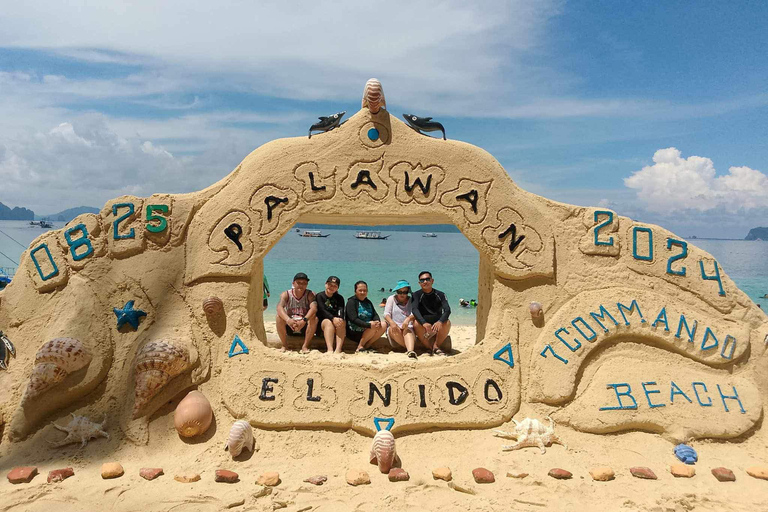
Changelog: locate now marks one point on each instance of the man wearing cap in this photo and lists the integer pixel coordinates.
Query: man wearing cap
(296, 313)
(431, 309)
(330, 315)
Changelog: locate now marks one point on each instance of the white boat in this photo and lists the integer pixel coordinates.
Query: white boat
(371, 235)
(429, 235)
(310, 233)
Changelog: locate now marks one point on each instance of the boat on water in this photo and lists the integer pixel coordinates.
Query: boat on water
(6, 274)
(429, 235)
(43, 224)
(309, 233)
(371, 235)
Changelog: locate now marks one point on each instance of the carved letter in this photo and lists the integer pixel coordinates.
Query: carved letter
(422, 398)
(471, 197)
(310, 387)
(273, 202)
(490, 383)
(385, 398)
(452, 398)
(266, 387)
(233, 232)
(312, 183)
(513, 243)
(419, 183)
(364, 178)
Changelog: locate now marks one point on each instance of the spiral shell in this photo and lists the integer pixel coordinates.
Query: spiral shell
(536, 309)
(212, 305)
(156, 364)
(373, 96)
(383, 450)
(193, 415)
(53, 362)
(240, 438)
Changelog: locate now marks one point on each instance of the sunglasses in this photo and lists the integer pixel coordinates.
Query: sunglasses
(402, 292)
(425, 280)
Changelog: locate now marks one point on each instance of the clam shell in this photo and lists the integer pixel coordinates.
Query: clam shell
(383, 450)
(240, 438)
(156, 364)
(53, 362)
(373, 96)
(213, 305)
(193, 415)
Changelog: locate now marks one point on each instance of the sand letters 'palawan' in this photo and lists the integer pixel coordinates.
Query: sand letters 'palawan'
(119, 312)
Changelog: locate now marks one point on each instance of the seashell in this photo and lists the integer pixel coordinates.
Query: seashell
(53, 362)
(193, 415)
(213, 305)
(80, 430)
(536, 309)
(240, 438)
(686, 454)
(156, 364)
(373, 96)
(383, 450)
(530, 432)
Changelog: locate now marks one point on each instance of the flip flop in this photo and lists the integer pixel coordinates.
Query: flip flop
(438, 352)
(412, 354)
(302, 351)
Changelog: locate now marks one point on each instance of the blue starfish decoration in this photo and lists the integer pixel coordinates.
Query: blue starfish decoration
(128, 315)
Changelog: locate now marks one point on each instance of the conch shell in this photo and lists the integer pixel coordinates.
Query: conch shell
(240, 438)
(193, 415)
(373, 96)
(156, 364)
(212, 305)
(53, 362)
(383, 451)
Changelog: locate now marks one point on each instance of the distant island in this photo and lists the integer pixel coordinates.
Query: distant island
(757, 234)
(421, 228)
(16, 213)
(69, 214)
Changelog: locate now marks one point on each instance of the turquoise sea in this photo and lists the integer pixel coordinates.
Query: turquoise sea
(381, 263)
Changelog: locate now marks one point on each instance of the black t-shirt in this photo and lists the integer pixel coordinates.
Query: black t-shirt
(329, 307)
(430, 307)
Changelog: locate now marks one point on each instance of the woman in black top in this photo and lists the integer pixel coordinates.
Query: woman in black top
(363, 324)
(330, 315)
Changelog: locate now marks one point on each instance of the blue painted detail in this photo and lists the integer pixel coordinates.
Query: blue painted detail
(602, 314)
(506, 349)
(588, 338)
(709, 334)
(649, 392)
(128, 315)
(728, 338)
(572, 349)
(378, 421)
(78, 242)
(373, 134)
(715, 277)
(686, 454)
(237, 342)
(679, 391)
(115, 224)
(627, 393)
(632, 306)
(663, 313)
(734, 397)
(672, 259)
(602, 225)
(649, 256)
(697, 394)
(691, 332)
(54, 271)
(552, 351)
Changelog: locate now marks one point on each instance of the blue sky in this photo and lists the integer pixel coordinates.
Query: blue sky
(658, 110)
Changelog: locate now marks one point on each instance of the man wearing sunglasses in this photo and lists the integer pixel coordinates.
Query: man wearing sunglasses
(431, 312)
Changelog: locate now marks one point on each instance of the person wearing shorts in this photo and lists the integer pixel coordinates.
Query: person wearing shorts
(296, 313)
(431, 312)
(398, 315)
(363, 324)
(330, 315)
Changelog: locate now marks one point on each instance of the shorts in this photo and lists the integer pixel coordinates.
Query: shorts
(290, 332)
(354, 335)
(431, 319)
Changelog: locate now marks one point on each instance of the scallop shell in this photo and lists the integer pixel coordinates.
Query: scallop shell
(212, 305)
(156, 364)
(383, 450)
(193, 415)
(373, 96)
(240, 438)
(536, 309)
(53, 362)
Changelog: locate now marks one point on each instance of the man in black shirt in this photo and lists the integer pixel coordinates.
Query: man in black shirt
(330, 313)
(431, 309)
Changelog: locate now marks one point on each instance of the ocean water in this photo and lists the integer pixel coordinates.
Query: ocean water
(381, 263)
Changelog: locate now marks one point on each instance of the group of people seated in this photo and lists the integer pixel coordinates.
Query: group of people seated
(422, 315)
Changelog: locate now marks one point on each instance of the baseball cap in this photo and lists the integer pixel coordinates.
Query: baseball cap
(300, 275)
(333, 279)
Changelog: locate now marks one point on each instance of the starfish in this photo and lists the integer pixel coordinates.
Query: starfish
(128, 315)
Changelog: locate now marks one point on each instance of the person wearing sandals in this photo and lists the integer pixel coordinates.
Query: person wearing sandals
(431, 312)
(330, 314)
(296, 313)
(363, 324)
(399, 318)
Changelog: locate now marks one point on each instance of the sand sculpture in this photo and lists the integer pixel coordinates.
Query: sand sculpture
(634, 328)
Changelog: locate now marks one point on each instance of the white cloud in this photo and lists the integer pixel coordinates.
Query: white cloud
(674, 184)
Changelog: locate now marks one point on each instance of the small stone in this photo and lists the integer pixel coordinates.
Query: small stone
(560, 474)
(57, 475)
(724, 475)
(187, 478)
(398, 475)
(150, 473)
(228, 477)
(270, 479)
(681, 470)
(22, 474)
(483, 476)
(264, 491)
(461, 488)
(602, 474)
(317, 480)
(516, 474)
(111, 470)
(357, 477)
(758, 472)
(236, 503)
(642, 472)
(443, 473)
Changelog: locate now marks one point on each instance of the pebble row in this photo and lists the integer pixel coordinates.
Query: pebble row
(25, 474)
